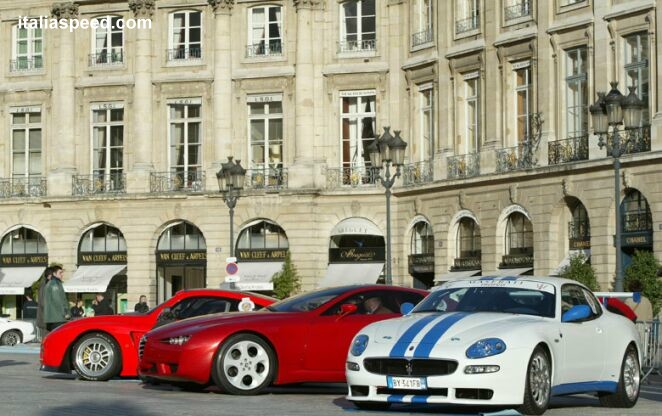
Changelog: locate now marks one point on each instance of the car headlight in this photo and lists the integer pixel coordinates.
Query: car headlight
(179, 340)
(359, 345)
(486, 348)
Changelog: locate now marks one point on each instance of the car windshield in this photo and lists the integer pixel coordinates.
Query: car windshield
(307, 301)
(514, 300)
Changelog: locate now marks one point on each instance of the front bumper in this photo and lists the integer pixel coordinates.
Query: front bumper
(189, 362)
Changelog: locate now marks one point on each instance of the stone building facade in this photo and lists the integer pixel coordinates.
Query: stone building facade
(110, 139)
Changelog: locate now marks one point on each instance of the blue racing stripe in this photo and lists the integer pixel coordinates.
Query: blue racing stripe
(486, 278)
(584, 387)
(511, 278)
(419, 399)
(401, 345)
(395, 398)
(434, 335)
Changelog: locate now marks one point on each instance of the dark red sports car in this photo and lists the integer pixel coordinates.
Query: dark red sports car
(102, 347)
(301, 339)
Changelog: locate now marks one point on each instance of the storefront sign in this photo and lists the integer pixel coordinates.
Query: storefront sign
(179, 257)
(117, 257)
(18, 260)
(261, 255)
(643, 239)
(579, 244)
(356, 254)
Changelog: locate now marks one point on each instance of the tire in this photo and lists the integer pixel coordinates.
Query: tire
(11, 338)
(244, 365)
(372, 405)
(629, 383)
(96, 357)
(538, 387)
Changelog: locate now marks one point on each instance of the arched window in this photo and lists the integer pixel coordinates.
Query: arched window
(422, 239)
(519, 235)
(579, 229)
(23, 241)
(468, 239)
(182, 236)
(262, 235)
(102, 238)
(636, 213)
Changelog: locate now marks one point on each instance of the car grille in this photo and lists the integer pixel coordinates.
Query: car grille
(409, 367)
(141, 346)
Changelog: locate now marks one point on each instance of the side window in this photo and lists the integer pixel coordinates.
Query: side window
(370, 303)
(592, 302)
(572, 295)
(203, 306)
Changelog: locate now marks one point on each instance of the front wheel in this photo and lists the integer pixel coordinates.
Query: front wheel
(372, 405)
(10, 338)
(629, 383)
(244, 365)
(537, 390)
(96, 357)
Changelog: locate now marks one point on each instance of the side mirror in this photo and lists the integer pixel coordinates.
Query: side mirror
(576, 313)
(166, 315)
(406, 307)
(347, 309)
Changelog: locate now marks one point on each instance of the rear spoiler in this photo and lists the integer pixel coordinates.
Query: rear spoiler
(635, 296)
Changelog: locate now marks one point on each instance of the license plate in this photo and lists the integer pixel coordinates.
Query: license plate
(407, 383)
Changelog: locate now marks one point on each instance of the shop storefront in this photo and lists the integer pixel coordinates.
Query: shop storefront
(636, 226)
(421, 259)
(261, 249)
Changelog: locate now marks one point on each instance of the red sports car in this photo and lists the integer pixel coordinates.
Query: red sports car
(301, 339)
(102, 347)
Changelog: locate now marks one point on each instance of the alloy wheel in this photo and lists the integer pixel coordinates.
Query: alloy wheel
(246, 365)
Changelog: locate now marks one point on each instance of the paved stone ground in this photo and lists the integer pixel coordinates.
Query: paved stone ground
(25, 391)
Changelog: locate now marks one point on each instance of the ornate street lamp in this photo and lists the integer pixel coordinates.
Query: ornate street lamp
(611, 110)
(384, 152)
(230, 183)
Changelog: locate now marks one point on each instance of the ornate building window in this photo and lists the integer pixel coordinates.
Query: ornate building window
(357, 128)
(358, 26)
(519, 235)
(576, 92)
(265, 126)
(637, 68)
(108, 145)
(427, 124)
(472, 105)
(636, 213)
(107, 43)
(422, 22)
(468, 240)
(102, 238)
(27, 49)
(26, 142)
(23, 241)
(262, 235)
(524, 100)
(185, 40)
(265, 31)
(185, 131)
(467, 16)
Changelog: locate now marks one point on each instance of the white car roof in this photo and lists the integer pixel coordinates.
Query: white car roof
(552, 280)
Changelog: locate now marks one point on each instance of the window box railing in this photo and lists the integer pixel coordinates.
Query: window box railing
(519, 8)
(466, 263)
(348, 176)
(184, 54)
(357, 46)
(177, 181)
(468, 24)
(572, 149)
(421, 38)
(23, 187)
(266, 178)
(632, 141)
(514, 158)
(106, 59)
(513, 261)
(273, 48)
(114, 183)
(463, 166)
(417, 173)
(26, 65)
(634, 222)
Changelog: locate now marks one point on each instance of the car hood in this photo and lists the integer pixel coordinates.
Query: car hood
(105, 320)
(193, 325)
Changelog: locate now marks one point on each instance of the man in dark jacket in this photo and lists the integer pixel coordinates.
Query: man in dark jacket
(41, 325)
(56, 307)
(142, 306)
(101, 306)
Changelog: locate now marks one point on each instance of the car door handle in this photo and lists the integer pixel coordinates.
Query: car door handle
(598, 330)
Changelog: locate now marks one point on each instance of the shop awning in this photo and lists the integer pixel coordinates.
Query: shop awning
(338, 274)
(447, 277)
(92, 278)
(566, 260)
(509, 272)
(14, 280)
(257, 275)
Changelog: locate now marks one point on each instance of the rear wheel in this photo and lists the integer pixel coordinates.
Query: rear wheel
(96, 357)
(372, 405)
(11, 338)
(244, 365)
(537, 389)
(627, 390)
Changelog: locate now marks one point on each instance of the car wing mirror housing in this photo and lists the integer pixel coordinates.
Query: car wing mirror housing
(166, 314)
(347, 309)
(406, 307)
(576, 313)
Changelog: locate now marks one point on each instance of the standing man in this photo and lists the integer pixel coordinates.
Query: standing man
(142, 306)
(41, 325)
(56, 309)
(101, 306)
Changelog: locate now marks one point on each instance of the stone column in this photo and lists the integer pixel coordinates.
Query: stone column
(141, 109)
(63, 155)
(302, 173)
(222, 87)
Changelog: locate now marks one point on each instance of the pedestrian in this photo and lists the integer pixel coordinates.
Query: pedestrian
(56, 307)
(142, 306)
(41, 325)
(77, 311)
(101, 306)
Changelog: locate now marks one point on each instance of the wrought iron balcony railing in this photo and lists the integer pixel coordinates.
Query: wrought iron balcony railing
(177, 181)
(353, 177)
(510, 261)
(106, 59)
(114, 183)
(512, 158)
(468, 24)
(266, 178)
(632, 141)
(572, 149)
(463, 166)
(23, 187)
(637, 221)
(466, 263)
(422, 37)
(184, 54)
(273, 48)
(357, 46)
(519, 8)
(417, 173)
(26, 65)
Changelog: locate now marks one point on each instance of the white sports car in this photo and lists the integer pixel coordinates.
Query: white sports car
(14, 332)
(508, 342)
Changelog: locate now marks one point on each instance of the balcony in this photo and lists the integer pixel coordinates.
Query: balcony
(569, 150)
(417, 173)
(514, 158)
(26, 65)
(468, 24)
(632, 141)
(634, 222)
(579, 235)
(517, 10)
(514, 261)
(337, 178)
(357, 46)
(184, 54)
(463, 166)
(466, 263)
(262, 49)
(105, 59)
(21, 187)
(179, 181)
(114, 183)
(269, 179)
(421, 38)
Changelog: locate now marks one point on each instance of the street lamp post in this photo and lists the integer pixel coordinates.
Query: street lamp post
(384, 152)
(230, 183)
(611, 110)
